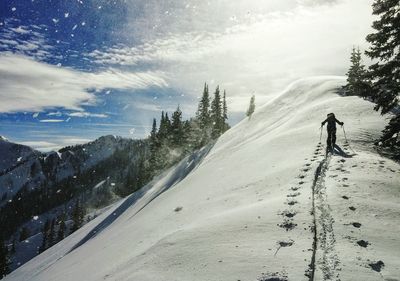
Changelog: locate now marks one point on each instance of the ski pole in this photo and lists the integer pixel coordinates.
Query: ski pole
(345, 137)
(320, 134)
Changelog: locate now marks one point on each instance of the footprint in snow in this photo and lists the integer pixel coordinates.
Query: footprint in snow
(283, 244)
(272, 277)
(293, 194)
(363, 243)
(377, 266)
(291, 203)
(288, 214)
(287, 225)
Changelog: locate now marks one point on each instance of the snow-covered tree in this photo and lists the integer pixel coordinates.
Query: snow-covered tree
(177, 128)
(385, 48)
(216, 114)
(356, 76)
(225, 113)
(385, 73)
(203, 111)
(154, 145)
(252, 107)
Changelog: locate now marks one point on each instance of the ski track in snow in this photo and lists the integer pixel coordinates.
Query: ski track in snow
(325, 260)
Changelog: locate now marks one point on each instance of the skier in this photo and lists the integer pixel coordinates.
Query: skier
(331, 140)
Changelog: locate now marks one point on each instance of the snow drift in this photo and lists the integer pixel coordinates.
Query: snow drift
(248, 211)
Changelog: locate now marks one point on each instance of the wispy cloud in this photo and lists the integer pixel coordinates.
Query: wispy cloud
(29, 85)
(51, 120)
(257, 53)
(46, 146)
(25, 40)
(87, 114)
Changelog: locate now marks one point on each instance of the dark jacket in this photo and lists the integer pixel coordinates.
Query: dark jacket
(331, 120)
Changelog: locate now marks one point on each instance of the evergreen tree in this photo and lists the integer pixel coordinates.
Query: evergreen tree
(61, 228)
(216, 114)
(142, 175)
(252, 107)
(154, 146)
(356, 76)
(385, 47)
(167, 124)
(177, 128)
(4, 260)
(203, 111)
(45, 233)
(195, 135)
(78, 214)
(51, 235)
(385, 73)
(163, 129)
(225, 113)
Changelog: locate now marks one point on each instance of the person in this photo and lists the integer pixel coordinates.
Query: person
(331, 128)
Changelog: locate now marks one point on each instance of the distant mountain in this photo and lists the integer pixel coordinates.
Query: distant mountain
(36, 187)
(18, 165)
(24, 167)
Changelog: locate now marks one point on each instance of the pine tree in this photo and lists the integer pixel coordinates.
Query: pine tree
(77, 216)
(385, 47)
(225, 113)
(61, 228)
(167, 122)
(203, 111)
(163, 130)
(356, 76)
(51, 236)
(4, 259)
(45, 233)
(142, 176)
(177, 128)
(252, 107)
(216, 114)
(385, 73)
(154, 146)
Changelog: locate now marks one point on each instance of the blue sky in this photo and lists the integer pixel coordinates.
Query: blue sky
(71, 71)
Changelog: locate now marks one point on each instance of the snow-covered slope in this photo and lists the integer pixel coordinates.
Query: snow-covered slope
(264, 203)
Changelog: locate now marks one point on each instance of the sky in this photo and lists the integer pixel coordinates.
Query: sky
(72, 71)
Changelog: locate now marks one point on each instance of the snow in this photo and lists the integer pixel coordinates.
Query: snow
(226, 213)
